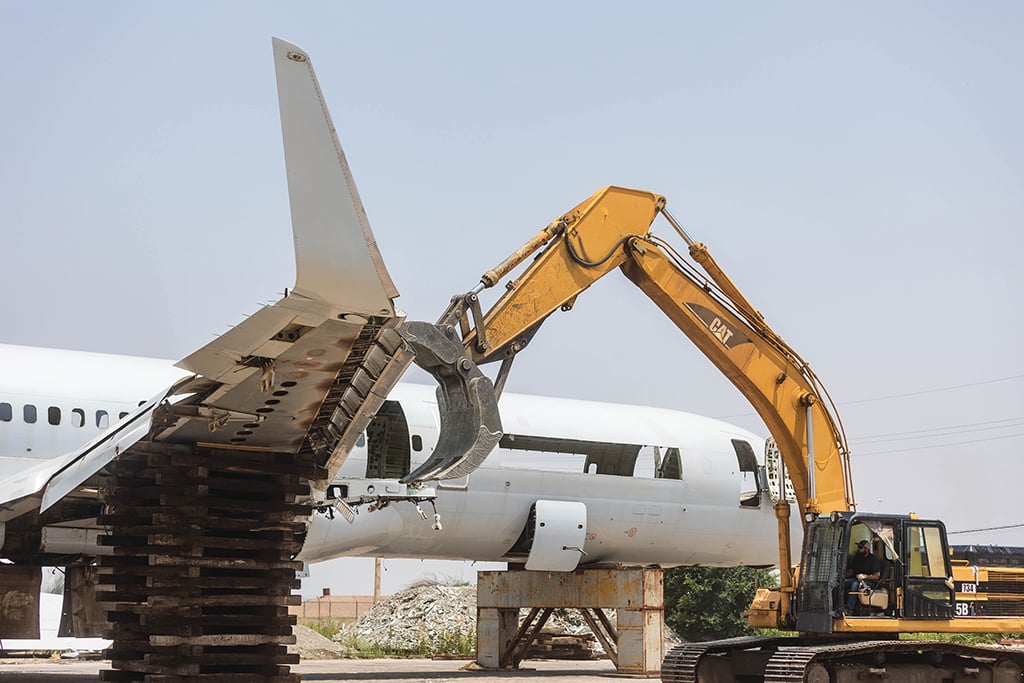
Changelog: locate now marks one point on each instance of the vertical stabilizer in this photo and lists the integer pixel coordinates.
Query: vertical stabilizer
(336, 255)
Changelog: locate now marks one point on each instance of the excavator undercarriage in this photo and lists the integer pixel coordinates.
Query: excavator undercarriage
(794, 660)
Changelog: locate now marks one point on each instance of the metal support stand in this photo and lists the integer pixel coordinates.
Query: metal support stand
(634, 644)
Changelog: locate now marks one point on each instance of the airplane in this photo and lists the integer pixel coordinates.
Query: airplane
(658, 486)
(300, 402)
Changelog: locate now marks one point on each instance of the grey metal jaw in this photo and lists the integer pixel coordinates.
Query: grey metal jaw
(466, 400)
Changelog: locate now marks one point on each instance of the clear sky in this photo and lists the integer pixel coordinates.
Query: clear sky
(857, 168)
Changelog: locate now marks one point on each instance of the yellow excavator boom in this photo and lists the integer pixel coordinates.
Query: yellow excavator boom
(611, 230)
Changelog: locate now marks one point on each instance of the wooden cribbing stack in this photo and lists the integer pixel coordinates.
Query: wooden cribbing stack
(202, 577)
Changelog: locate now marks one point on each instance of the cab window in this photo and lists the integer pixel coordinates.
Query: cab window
(926, 558)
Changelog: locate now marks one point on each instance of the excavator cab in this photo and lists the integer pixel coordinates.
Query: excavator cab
(913, 566)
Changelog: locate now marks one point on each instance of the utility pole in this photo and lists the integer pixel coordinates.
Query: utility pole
(376, 579)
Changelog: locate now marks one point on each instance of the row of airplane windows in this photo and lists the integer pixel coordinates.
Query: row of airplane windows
(54, 415)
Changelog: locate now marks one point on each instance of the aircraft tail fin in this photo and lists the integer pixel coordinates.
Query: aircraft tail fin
(337, 261)
(336, 254)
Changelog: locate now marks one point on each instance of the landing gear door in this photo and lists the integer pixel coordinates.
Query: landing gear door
(560, 529)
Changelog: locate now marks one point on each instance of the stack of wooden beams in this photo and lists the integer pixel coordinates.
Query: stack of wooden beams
(202, 575)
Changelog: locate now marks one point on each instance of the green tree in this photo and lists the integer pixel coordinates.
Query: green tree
(706, 603)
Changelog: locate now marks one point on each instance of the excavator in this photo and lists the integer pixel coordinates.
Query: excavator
(920, 587)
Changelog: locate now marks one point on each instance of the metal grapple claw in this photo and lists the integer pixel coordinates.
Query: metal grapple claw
(470, 422)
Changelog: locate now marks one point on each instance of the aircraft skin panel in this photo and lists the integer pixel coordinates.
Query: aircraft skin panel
(637, 519)
(610, 422)
(336, 254)
(70, 377)
(629, 521)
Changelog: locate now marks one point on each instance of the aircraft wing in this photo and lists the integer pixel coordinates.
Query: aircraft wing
(302, 376)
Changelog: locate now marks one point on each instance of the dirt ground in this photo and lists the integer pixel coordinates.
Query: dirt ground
(338, 670)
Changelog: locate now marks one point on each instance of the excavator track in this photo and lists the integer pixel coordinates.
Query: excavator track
(682, 662)
(791, 660)
(201, 576)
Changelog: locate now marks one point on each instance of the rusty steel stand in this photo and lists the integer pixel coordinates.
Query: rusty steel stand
(634, 643)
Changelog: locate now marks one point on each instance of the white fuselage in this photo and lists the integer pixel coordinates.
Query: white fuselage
(53, 401)
(636, 511)
(632, 517)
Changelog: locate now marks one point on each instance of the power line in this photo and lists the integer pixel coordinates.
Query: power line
(891, 396)
(919, 431)
(933, 391)
(939, 432)
(945, 445)
(991, 528)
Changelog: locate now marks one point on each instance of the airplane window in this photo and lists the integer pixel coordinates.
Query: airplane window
(78, 417)
(123, 414)
(53, 415)
(142, 403)
(102, 419)
(417, 442)
(361, 441)
(5, 412)
(29, 413)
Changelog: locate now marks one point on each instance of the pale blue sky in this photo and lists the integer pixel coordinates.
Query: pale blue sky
(857, 168)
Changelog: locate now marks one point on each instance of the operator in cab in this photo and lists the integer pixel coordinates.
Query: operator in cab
(862, 567)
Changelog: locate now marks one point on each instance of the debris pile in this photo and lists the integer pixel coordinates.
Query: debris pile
(429, 618)
(417, 619)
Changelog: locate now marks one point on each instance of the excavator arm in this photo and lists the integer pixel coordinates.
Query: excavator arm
(777, 383)
(610, 230)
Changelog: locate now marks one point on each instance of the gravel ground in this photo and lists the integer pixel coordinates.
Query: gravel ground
(338, 670)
